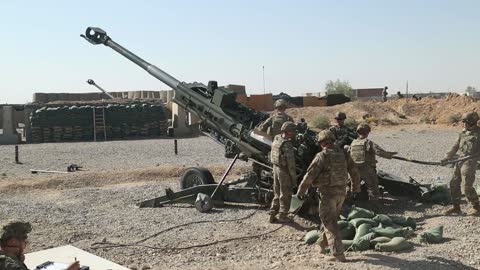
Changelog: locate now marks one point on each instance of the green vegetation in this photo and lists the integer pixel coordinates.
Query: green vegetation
(321, 122)
(339, 87)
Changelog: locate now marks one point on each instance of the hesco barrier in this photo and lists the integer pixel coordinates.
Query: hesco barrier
(75, 123)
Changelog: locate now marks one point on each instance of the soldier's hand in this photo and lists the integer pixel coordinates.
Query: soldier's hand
(301, 197)
(74, 266)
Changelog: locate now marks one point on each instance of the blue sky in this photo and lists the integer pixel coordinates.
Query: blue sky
(302, 44)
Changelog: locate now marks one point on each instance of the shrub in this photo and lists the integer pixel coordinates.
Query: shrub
(454, 118)
(321, 122)
(372, 120)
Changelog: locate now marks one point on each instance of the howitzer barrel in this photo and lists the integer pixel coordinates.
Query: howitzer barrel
(97, 36)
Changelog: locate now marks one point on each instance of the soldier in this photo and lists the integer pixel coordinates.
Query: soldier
(340, 131)
(272, 125)
(329, 173)
(284, 172)
(13, 241)
(468, 143)
(302, 126)
(362, 152)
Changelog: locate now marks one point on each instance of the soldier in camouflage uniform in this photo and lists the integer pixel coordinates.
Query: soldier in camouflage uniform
(340, 131)
(363, 152)
(468, 143)
(282, 157)
(13, 241)
(329, 173)
(272, 125)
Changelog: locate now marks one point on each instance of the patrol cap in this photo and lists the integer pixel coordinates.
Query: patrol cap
(16, 229)
(470, 118)
(363, 128)
(281, 103)
(325, 135)
(288, 127)
(340, 116)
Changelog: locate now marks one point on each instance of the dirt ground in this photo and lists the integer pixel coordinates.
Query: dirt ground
(87, 208)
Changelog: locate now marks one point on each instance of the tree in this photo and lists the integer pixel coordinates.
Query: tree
(470, 90)
(339, 87)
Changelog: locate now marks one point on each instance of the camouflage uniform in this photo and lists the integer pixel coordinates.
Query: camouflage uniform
(329, 173)
(284, 174)
(17, 230)
(363, 153)
(8, 262)
(468, 143)
(274, 123)
(341, 133)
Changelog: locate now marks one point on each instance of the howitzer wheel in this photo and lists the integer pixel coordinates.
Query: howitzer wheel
(196, 176)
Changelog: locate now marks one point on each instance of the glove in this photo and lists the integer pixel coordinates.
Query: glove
(444, 161)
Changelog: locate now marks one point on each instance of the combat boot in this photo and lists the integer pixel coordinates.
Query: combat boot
(284, 218)
(474, 210)
(272, 216)
(454, 210)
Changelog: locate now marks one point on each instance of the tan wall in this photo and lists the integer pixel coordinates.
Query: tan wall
(311, 101)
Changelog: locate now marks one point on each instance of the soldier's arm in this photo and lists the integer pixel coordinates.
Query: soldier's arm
(354, 174)
(454, 149)
(265, 125)
(313, 172)
(379, 151)
(289, 154)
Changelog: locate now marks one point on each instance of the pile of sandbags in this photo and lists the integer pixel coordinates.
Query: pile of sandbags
(76, 123)
(363, 229)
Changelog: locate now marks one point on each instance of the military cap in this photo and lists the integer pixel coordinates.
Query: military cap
(325, 135)
(470, 118)
(288, 127)
(340, 116)
(281, 103)
(363, 128)
(16, 229)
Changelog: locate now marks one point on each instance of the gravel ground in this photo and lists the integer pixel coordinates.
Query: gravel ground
(84, 215)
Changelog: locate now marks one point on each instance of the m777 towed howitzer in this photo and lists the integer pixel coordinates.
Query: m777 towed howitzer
(231, 124)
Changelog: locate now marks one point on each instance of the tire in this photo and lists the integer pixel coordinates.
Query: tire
(196, 176)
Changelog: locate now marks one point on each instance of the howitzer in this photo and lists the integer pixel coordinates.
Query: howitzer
(228, 123)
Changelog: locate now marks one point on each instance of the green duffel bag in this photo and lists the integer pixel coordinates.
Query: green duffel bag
(362, 230)
(383, 219)
(359, 221)
(348, 231)
(432, 236)
(396, 244)
(358, 212)
(392, 232)
(378, 240)
(405, 222)
(347, 244)
(341, 223)
(312, 237)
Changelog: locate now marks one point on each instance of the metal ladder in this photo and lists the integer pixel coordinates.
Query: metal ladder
(99, 126)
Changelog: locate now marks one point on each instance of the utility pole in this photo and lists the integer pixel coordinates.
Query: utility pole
(263, 72)
(407, 90)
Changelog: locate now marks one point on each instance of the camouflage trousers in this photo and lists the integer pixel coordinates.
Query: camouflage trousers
(369, 175)
(330, 206)
(464, 172)
(282, 189)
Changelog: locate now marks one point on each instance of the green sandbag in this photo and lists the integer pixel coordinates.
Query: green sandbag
(347, 244)
(359, 221)
(433, 235)
(405, 221)
(363, 243)
(348, 231)
(342, 224)
(383, 219)
(312, 237)
(392, 232)
(396, 244)
(358, 212)
(362, 230)
(377, 240)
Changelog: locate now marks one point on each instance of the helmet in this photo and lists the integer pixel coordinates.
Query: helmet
(325, 135)
(340, 116)
(281, 103)
(470, 118)
(288, 127)
(363, 128)
(15, 229)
